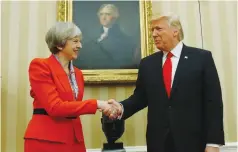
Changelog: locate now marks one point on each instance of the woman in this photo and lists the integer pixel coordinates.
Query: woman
(57, 88)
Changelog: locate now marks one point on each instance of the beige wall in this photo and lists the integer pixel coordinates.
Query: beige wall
(24, 25)
(219, 35)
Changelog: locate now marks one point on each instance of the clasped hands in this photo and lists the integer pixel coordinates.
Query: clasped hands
(110, 108)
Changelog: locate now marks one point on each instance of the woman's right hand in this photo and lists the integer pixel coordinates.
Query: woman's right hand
(107, 108)
(103, 105)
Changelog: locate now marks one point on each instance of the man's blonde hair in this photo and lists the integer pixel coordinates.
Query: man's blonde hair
(173, 21)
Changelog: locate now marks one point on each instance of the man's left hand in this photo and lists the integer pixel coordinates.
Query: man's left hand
(212, 149)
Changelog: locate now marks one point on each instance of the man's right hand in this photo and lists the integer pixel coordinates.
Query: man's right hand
(117, 109)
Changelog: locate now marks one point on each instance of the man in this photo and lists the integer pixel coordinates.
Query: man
(181, 88)
(107, 47)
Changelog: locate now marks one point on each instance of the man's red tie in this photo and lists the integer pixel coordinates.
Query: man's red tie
(167, 73)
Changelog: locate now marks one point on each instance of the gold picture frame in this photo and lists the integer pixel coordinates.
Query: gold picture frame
(65, 13)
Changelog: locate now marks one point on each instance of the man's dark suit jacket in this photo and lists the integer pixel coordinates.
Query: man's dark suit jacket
(193, 113)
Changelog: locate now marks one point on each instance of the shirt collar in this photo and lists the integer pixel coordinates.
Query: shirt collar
(176, 51)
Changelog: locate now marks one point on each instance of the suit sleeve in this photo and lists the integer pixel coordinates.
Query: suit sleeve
(46, 93)
(213, 102)
(138, 100)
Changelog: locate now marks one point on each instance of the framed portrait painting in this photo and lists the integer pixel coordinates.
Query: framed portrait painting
(115, 36)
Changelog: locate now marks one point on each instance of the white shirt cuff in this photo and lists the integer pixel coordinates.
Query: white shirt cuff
(122, 111)
(213, 145)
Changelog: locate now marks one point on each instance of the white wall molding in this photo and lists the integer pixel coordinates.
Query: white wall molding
(229, 147)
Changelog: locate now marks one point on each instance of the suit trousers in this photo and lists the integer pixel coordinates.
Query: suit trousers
(35, 145)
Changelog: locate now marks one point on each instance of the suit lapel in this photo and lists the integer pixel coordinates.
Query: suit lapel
(158, 72)
(60, 73)
(181, 68)
(158, 64)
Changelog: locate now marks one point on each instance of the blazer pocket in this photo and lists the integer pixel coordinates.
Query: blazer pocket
(78, 130)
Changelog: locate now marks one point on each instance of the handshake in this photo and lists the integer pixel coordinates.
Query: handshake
(110, 108)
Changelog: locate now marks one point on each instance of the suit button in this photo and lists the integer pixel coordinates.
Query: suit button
(170, 107)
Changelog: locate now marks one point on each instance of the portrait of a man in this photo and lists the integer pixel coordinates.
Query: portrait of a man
(109, 39)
